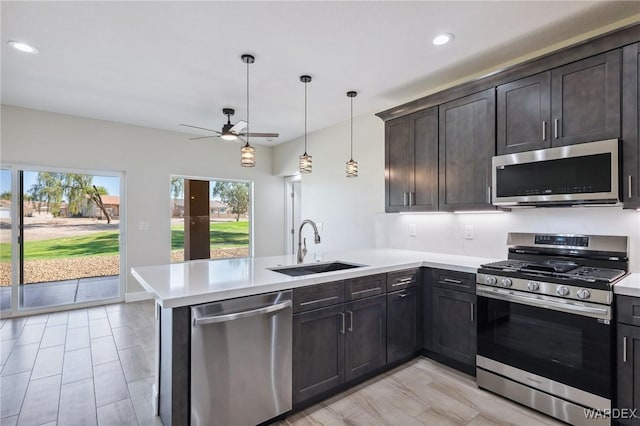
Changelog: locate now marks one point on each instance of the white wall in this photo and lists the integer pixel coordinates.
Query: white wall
(147, 157)
(345, 206)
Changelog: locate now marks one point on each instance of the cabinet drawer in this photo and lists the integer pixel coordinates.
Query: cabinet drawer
(317, 296)
(402, 279)
(628, 310)
(359, 288)
(453, 280)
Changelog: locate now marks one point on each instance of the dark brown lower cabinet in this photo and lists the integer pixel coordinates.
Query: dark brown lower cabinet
(318, 352)
(628, 371)
(403, 337)
(334, 345)
(366, 336)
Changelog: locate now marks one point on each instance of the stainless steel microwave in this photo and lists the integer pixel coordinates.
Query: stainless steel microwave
(569, 175)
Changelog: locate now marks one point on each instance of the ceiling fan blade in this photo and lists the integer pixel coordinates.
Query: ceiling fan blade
(260, 135)
(203, 137)
(238, 127)
(201, 128)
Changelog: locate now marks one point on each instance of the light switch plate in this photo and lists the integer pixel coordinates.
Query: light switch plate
(143, 226)
(468, 232)
(412, 230)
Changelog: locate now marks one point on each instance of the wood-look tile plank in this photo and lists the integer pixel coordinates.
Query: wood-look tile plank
(142, 399)
(77, 338)
(77, 404)
(103, 349)
(99, 328)
(118, 318)
(21, 359)
(77, 366)
(124, 337)
(48, 362)
(135, 363)
(119, 413)
(53, 336)
(110, 383)
(31, 334)
(37, 319)
(5, 349)
(10, 421)
(146, 337)
(12, 328)
(41, 401)
(97, 312)
(78, 318)
(12, 391)
(58, 318)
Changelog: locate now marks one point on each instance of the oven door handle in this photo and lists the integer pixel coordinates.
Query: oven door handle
(508, 296)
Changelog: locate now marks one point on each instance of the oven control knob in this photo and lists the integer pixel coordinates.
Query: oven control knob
(490, 280)
(583, 293)
(563, 291)
(506, 282)
(533, 286)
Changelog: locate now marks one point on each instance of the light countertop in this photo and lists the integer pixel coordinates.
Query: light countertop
(202, 281)
(628, 286)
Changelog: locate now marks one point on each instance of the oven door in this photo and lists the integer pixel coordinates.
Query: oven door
(545, 339)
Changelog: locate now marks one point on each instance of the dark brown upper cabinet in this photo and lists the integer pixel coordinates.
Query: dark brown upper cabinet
(585, 100)
(631, 126)
(524, 113)
(576, 103)
(467, 143)
(411, 156)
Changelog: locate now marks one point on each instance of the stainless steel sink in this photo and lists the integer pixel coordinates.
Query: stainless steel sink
(318, 268)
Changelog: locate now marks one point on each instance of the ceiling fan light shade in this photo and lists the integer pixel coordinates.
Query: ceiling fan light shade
(306, 163)
(227, 136)
(352, 169)
(247, 156)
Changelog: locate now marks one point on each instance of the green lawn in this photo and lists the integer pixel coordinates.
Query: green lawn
(223, 234)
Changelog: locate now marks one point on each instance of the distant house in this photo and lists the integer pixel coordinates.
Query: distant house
(217, 209)
(5, 209)
(111, 204)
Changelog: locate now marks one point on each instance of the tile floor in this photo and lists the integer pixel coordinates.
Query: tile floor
(95, 366)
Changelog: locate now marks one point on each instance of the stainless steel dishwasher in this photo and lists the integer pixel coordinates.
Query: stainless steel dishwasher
(241, 360)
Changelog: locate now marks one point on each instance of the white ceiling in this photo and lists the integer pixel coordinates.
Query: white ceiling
(158, 64)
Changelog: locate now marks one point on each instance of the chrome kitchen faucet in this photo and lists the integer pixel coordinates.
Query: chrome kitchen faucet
(302, 242)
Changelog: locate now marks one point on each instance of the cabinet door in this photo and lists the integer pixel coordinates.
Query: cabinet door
(402, 324)
(318, 352)
(467, 144)
(524, 113)
(454, 329)
(585, 100)
(628, 370)
(398, 164)
(366, 336)
(424, 181)
(631, 126)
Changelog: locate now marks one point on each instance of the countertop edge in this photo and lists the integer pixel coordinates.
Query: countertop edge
(628, 286)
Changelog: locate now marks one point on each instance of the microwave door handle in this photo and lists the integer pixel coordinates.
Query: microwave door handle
(507, 296)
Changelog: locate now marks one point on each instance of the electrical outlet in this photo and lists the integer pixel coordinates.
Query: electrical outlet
(143, 226)
(468, 232)
(412, 230)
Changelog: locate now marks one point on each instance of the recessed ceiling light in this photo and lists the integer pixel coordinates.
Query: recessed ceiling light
(22, 46)
(442, 39)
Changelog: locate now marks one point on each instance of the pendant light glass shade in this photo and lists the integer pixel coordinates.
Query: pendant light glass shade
(247, 156)
(247, 152)
(306, 162)
(352, 166)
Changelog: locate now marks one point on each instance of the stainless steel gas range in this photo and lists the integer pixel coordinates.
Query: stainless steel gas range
(545, 337)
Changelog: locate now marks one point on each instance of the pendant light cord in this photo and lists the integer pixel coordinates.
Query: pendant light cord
(305, 118)
(352, 129)
(248, 103)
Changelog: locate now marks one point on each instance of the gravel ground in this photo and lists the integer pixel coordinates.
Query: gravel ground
(36, 271)
(42, 228)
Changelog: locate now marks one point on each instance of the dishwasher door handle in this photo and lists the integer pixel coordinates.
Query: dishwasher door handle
(243, 314)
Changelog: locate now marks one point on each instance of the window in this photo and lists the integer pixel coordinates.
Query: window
(210, 219)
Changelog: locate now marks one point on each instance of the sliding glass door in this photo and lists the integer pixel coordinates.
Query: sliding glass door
(6, 246)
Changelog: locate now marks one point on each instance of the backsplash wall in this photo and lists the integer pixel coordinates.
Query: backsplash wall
(445, 232)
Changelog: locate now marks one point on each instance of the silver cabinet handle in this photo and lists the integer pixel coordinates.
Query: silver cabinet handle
(472, 316)
(451, 281)
(369, 290)
(629, 188)
(624, 349)
(325, 299)
(342, 321)
(555, 128)
(350, 320)
(402, 295)
(404, 198)
(238, 315)
(489, 194)
(410, 199)
(544, 130)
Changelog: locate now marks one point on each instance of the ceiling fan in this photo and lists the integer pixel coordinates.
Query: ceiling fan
(231, 132)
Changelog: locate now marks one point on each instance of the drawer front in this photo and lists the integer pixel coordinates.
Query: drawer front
(454, 280)
(317, 296)
(628, 310)
(361, 287)
(402, 279)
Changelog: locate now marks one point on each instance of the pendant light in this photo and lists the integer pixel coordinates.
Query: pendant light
(306, 160)
(352, 166)
(247, 152)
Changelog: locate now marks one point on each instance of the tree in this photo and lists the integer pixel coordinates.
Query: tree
(233, 194)
(6, 195)
(177, 188)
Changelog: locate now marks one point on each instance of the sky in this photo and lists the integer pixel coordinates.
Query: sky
(112, 183)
